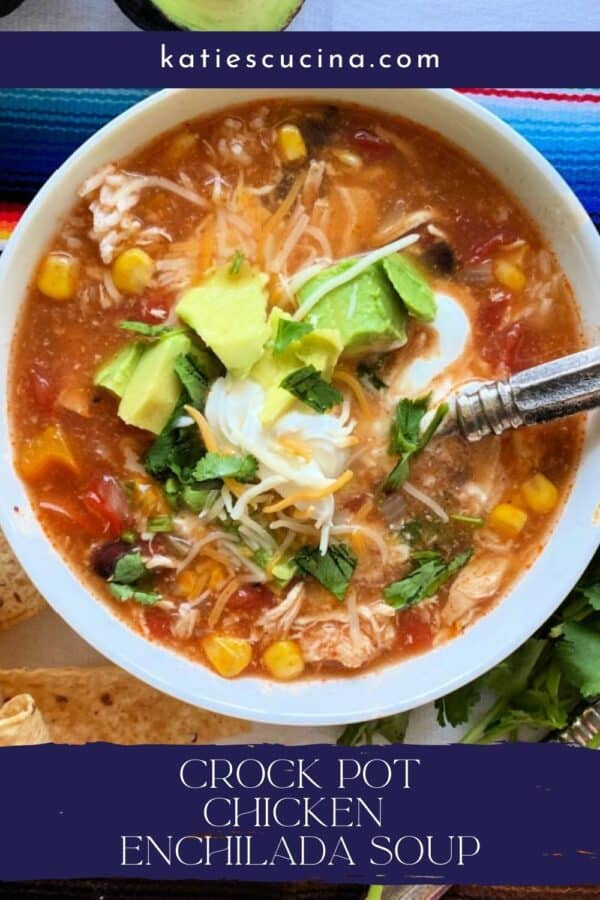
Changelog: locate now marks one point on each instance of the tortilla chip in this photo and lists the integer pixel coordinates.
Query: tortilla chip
(21, 723)
(19, 600)
(104, 703)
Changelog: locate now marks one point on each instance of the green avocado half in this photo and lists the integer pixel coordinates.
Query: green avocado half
(211, 15)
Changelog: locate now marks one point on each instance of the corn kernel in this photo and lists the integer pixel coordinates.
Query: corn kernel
(57, 276)
(132, 271)
(507, 519)
(228, 655)
(290, 143)
(510, 275)
(283, 660)
(540, 494)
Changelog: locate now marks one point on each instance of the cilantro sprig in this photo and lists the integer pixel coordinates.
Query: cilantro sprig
(429, 573)
(540, 686)
(406, 438)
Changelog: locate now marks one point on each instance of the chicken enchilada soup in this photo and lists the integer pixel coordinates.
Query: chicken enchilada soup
(230, 371)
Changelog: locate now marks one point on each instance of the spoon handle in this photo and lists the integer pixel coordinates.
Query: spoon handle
(562, 387)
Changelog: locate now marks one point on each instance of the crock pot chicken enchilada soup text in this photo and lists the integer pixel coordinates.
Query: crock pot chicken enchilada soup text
(230, 371)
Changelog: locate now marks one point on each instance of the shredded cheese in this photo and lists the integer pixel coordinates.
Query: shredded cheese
(356, 388)
(284, 207)
(311, 495)
(223, 598)
(203, 426)
(295, 447)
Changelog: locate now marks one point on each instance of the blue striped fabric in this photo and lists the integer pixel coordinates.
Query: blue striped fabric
(40, 128)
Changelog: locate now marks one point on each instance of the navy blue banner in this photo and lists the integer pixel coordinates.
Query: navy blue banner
(297, 59)
(511, 814)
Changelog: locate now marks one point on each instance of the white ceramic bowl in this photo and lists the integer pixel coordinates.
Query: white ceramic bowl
(396, 687)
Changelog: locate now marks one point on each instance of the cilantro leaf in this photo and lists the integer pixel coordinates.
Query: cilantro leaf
(192, 378)
(129, 568)
(307, 385)
(333, 569)
(177, 448)
(406, 439)
(392, 728)
(455, 708)
(288, 332)
(237, 263)
(405, 430)
(150, 331)
(126, 592)
(215, 465)
(430, 572)
(578, 655)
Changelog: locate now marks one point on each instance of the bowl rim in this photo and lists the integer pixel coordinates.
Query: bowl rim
(352, 698)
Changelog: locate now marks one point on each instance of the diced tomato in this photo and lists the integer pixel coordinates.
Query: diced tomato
(491, 312)
(158, 623)
(513, 357)
(415, 632)
(106, 499)
(251, 596)
(487, 247)
(370, 144)
(354, 502)
(476, 240)
(42, 387)
(154, 309)
(76, 515)
(506, 348)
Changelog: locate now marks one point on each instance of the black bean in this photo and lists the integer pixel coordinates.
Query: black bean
(105, 558)
(440, 258)
(317, 131)
(285, 183)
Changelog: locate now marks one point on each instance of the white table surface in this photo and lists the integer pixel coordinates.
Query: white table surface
(340, 15)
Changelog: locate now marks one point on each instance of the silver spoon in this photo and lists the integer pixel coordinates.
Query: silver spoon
(562, 387)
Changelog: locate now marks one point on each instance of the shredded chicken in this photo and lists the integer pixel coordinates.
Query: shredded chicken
(279, 619)
(113, 195)
(478, 581)
(330, 639)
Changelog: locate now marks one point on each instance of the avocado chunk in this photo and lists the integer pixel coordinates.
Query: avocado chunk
(411, 285)
(366, 311)
(211, 15)
(229, 312)
(320, 348)
(116, 373)
(153, 390)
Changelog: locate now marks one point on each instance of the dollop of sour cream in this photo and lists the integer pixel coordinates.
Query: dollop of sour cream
(299, 453)
(430, 372)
